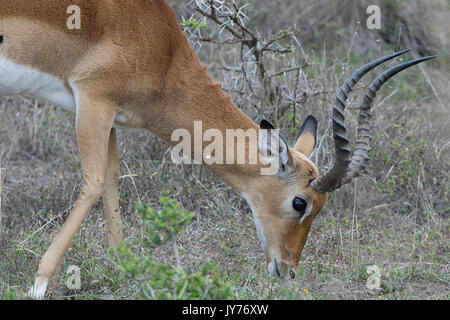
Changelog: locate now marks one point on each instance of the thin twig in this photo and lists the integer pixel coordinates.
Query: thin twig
(1, 193)
(354, 216)
(432, 88)
(47, 223)
(131, 176)
(282, 72)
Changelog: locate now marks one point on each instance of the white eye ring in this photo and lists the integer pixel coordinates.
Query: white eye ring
(306, 214)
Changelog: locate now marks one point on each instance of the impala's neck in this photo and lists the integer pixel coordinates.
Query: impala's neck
(193, 97)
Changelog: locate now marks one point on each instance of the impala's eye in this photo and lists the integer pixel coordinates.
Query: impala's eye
(299, 205)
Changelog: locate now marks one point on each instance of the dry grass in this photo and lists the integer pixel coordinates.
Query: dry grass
(395, 216)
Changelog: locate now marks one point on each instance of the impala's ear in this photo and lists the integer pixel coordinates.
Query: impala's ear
(306, 140)
(266, 125)
(273, 148)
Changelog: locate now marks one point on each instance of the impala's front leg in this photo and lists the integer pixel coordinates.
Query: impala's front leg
(111, 194)
(94, 120)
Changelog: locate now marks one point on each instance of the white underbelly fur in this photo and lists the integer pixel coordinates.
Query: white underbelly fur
(18, 79)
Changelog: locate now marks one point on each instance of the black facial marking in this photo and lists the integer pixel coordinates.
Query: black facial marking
(1, 38)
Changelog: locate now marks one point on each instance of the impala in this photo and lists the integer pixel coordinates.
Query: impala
(131, 66)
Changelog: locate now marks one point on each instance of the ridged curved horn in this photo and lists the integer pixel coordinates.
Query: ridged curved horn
(345, 167)
(362, 146)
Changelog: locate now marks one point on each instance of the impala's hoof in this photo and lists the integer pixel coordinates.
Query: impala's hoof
(39, 289)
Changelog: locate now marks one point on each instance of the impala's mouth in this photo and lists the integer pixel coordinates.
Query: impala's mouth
(276, 270)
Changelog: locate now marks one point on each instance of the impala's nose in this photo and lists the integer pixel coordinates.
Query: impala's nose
(280, 270)
(292, 274)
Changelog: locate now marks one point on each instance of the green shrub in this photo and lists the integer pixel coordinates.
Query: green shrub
(160, 281)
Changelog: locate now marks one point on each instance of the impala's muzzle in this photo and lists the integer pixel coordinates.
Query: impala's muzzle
(280, 269)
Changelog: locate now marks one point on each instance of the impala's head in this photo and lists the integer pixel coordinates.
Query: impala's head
(285, 202)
